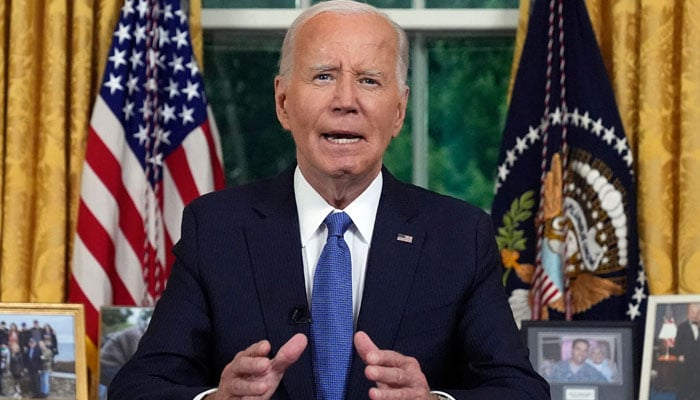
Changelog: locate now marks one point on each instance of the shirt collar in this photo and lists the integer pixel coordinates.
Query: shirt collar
(313, 209)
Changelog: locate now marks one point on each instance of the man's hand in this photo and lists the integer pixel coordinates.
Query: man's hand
(397, 376)
(252, 375)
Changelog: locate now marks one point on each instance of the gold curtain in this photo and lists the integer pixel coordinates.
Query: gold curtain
(52, 57)
(45, 88)
(651, 51)
(51, 64)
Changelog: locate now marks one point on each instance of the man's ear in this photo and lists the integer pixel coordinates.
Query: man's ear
(281, 102)
(401, 112)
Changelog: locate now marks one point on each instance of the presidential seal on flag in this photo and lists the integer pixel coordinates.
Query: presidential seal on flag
(565, 203)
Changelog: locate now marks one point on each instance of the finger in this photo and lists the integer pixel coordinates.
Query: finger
(250, 366)
(397, 394)
(366, 348)
(388, 358)
(407, 375)
(251, 361)
(264, 374)
(241, 387)
(259, 349)
(289, 353)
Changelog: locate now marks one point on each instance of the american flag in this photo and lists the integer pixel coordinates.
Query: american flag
(152, 148)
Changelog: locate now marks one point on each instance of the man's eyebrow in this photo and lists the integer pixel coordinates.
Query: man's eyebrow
(323, 68)
(370, 72)
(330, 67)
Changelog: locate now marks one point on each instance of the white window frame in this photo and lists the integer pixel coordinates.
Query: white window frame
(413, 20)
(417, 21)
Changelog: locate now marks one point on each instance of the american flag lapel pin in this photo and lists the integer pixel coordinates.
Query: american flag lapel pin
(402, 237)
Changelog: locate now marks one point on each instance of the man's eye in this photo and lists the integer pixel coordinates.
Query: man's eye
(369, 81)
(323, 77)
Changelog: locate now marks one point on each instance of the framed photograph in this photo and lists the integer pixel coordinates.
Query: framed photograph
(671, 356)
(121, 329)
(583, 360)
(42, 351)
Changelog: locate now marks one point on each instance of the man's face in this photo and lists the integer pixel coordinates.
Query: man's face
(694, 312)
(342, 101)
(579, 352)
(597, 355)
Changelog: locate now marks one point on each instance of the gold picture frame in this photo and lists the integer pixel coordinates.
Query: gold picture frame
(53, 356)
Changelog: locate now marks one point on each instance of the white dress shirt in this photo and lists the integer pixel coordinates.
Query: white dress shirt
(313, 209)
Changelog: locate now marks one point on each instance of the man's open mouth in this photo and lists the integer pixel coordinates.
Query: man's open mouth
(342, 138)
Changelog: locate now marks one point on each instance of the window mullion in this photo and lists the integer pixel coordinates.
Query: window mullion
(419, 110)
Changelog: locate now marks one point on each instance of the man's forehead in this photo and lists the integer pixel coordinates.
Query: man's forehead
(348, 28)
(374, 58)
(371, 46)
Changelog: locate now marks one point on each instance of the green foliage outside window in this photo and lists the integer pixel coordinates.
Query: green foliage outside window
(468, 84)
(468, 80)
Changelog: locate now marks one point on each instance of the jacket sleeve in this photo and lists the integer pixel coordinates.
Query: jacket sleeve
(496, 361)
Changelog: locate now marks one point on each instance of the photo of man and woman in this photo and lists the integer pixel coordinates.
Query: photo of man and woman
(585, 359)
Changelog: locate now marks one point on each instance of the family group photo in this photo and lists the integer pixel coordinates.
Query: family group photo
(37, 358)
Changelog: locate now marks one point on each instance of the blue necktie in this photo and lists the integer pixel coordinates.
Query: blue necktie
(331, 312)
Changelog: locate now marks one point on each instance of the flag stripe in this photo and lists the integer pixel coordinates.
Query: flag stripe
(112, 197)
(177, 165)
(101, 247)
(215, 152)
(172, 204)
(91, 312)
(91, 278)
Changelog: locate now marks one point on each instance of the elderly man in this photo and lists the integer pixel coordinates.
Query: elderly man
(403, 301)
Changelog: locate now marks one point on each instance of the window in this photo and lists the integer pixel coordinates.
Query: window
(459, 74)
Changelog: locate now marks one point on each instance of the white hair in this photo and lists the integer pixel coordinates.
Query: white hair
(343, 7)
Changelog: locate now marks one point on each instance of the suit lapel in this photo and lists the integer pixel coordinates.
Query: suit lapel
(393, 258)
(275, 250)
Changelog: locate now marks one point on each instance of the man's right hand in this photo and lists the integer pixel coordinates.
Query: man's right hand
(252, 375)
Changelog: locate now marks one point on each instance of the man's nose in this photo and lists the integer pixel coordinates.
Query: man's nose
(345, 99)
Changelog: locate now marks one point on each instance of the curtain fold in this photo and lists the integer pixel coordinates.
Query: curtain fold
(35, 216)
(651, 51)
(689, 115)
(52, 55)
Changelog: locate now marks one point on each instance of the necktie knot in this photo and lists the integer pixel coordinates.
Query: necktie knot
(337, 223)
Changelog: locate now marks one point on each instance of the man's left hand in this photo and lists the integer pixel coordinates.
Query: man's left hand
(397, 376)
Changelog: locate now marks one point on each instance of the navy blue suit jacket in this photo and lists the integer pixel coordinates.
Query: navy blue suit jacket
(239, 279)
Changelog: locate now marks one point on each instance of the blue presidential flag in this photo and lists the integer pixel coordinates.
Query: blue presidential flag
(565, 204)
